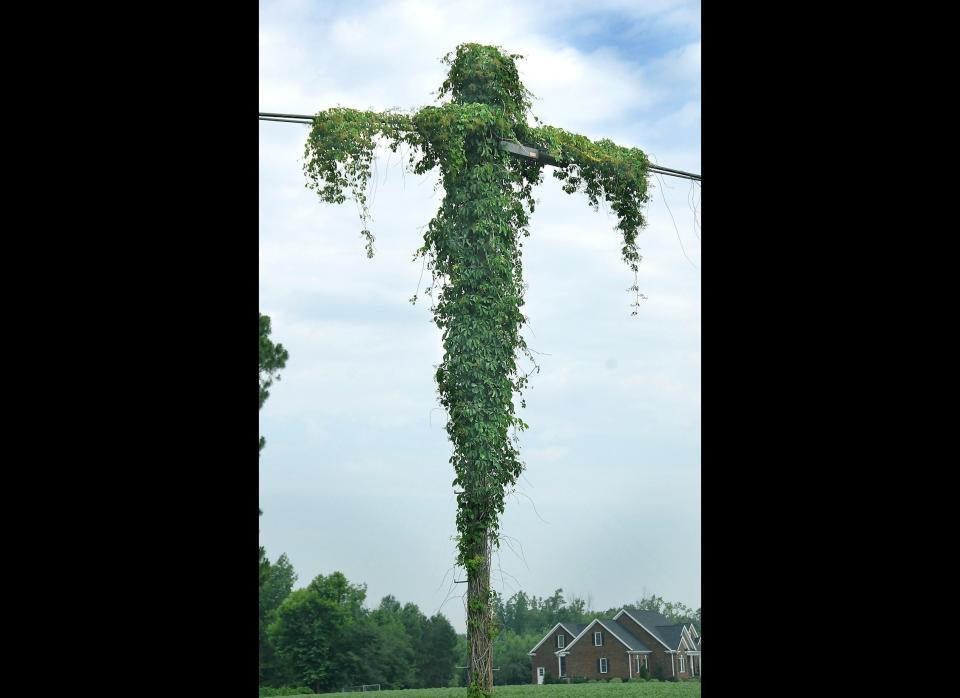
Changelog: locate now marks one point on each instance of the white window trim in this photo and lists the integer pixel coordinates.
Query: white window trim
(561, 641)
(682, 664)
(540, 671)
(604, 666)
(560, 663)
(598, 635)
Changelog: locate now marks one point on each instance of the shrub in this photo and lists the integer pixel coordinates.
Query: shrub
(616, 679)
(644, 673)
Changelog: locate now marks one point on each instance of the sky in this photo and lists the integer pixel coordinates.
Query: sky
(355, 475)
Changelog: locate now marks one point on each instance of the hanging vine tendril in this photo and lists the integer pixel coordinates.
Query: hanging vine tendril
(473, 250)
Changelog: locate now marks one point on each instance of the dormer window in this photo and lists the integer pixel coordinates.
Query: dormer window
(598, 639)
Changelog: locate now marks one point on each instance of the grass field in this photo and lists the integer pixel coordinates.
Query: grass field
(632, 689)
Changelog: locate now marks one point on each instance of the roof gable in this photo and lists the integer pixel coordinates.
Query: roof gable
(649, 621)
(672, 635)
(550, 633)
(622, 632)
(617, 630)
(574, 628)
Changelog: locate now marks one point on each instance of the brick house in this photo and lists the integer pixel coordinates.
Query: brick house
(620, 646)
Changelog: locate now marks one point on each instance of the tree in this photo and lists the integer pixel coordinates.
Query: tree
(437, 652)
(321, 634)
(675, 612)
(393, 655)
(273, 357)
(278, 584)
(577, 610)
(473, 249)
(518, 613)
(554, 607)
(337, 589)
(303, 635)
(413, 621)
(511, 655)
(275, 587)
(462, 652)
(264, 564)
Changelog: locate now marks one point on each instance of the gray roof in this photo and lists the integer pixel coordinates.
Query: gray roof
(658, 625)
(648, 619)
(670, 634)
(573, 628)
(624, 634)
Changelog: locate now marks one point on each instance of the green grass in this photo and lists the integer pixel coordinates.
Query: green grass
(632, 689)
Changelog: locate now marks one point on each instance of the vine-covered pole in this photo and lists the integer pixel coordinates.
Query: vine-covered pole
(473, 249)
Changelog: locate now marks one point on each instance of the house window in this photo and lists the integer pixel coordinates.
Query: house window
(603, 665)
(645, 665)
(563, 666)
(681, 664)
(598, 639)
(540, 671)
(561, 641)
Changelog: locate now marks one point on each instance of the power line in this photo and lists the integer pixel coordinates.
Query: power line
(308, 120)
(286, 121)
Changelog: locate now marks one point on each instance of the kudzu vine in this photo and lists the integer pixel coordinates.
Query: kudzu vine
(473, 250)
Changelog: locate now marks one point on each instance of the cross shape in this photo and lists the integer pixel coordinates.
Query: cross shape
(489, 159)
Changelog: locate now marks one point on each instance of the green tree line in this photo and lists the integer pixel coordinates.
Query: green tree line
(322, 636)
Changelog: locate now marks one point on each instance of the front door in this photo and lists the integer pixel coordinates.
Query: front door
(539, 675)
